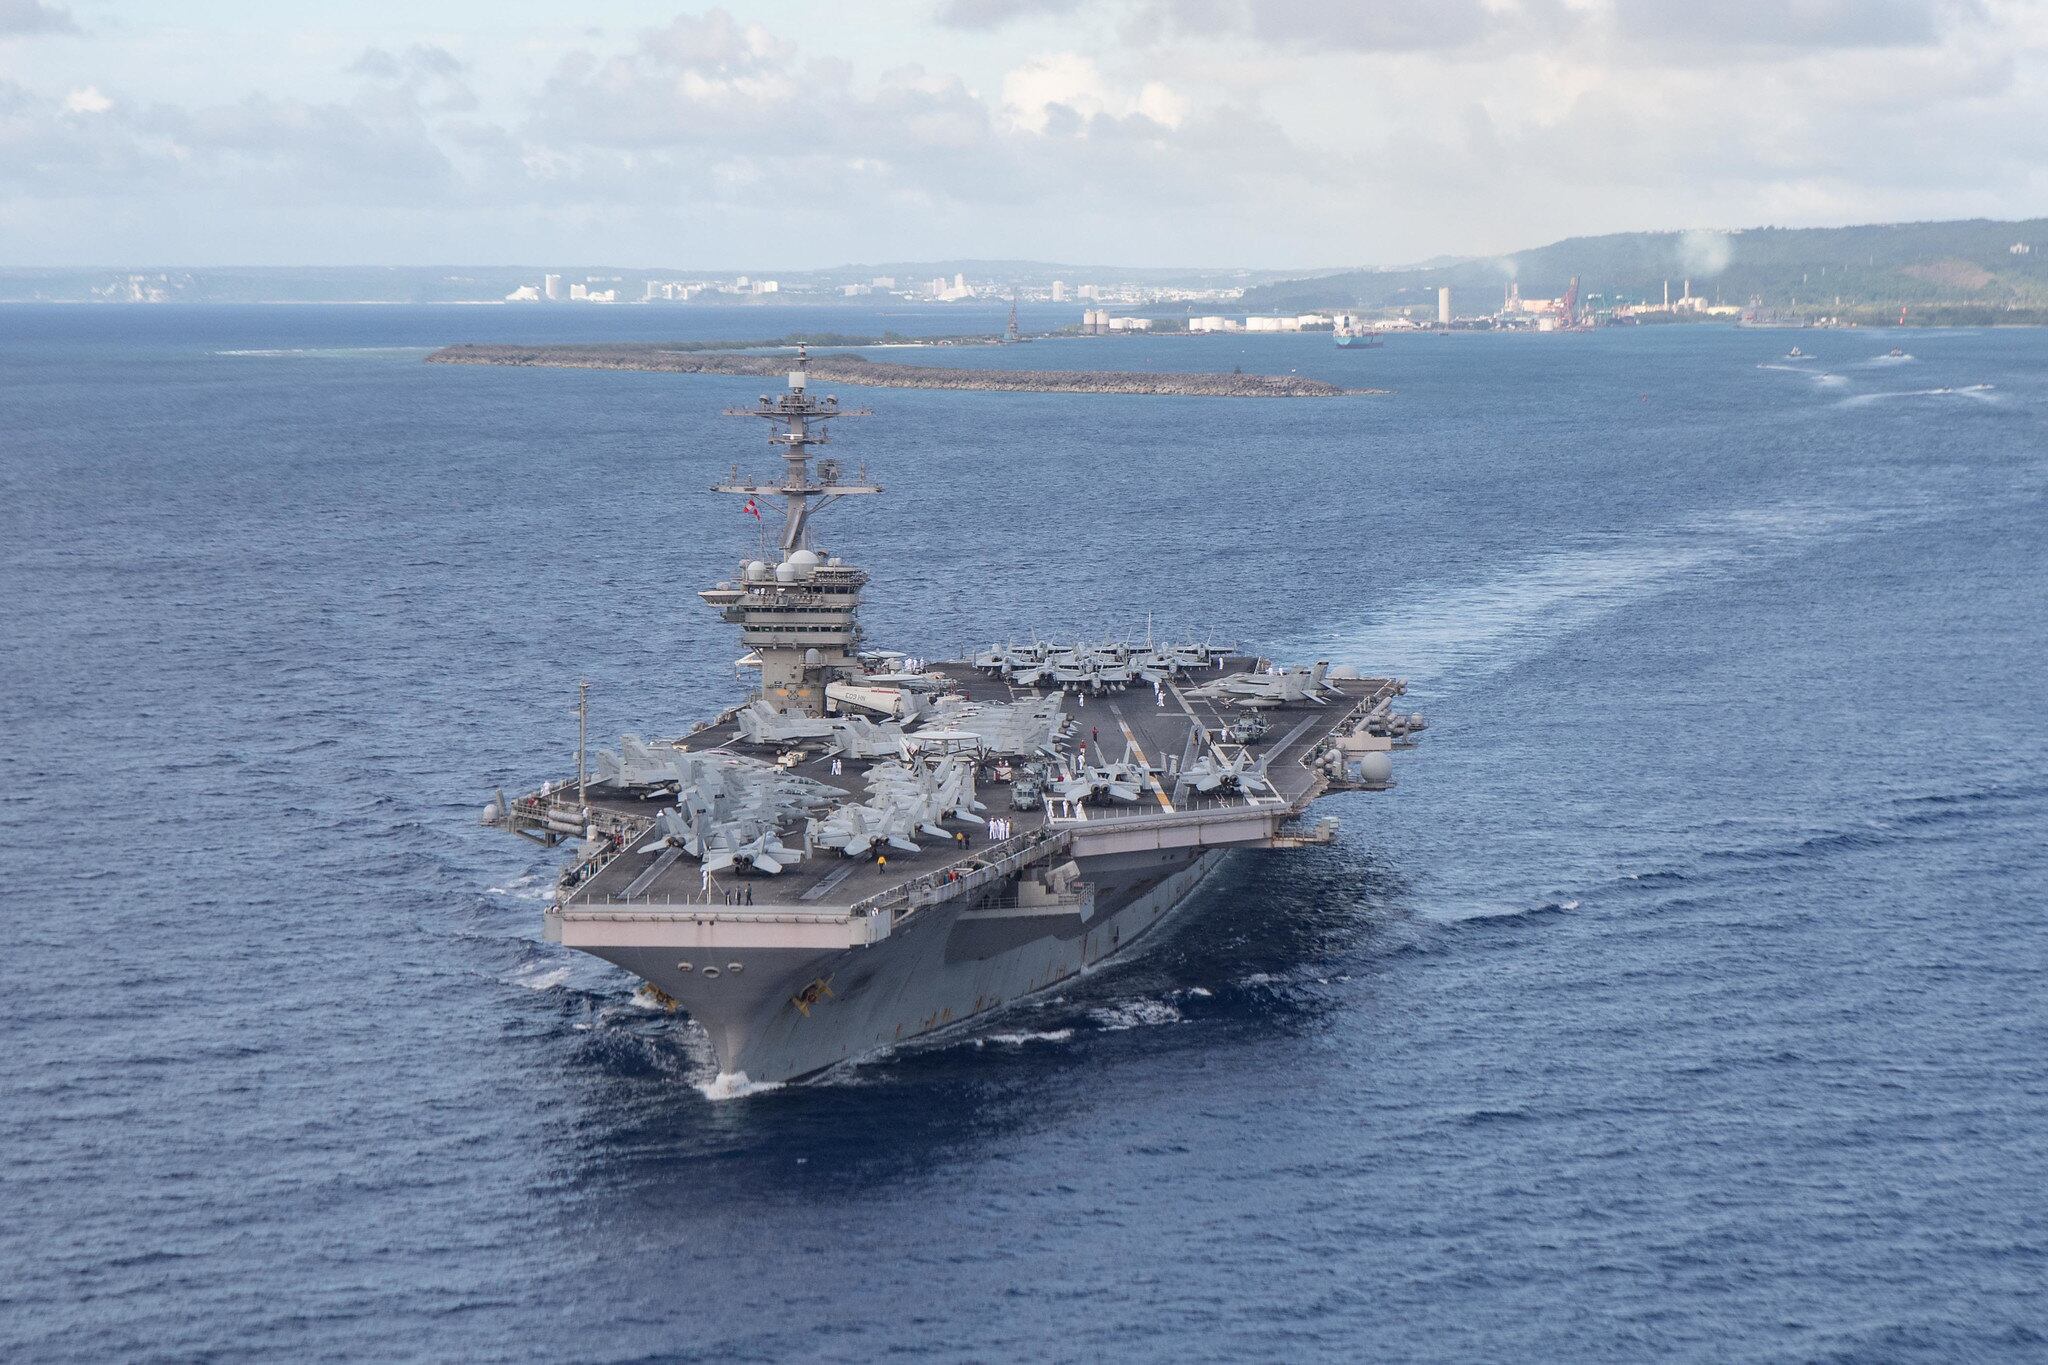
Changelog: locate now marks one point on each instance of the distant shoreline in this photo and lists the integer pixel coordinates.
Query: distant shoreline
(844, 368)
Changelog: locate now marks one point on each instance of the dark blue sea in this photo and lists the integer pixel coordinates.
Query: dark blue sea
(1688, 998)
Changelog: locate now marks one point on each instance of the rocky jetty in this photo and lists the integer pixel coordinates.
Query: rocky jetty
(847, 368)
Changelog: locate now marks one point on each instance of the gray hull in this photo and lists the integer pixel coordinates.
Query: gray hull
(782, 1014)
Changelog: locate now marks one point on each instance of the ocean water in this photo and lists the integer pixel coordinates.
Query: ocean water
(1689, 997)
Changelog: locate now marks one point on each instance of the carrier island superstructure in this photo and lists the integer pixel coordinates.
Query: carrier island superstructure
(871, 848)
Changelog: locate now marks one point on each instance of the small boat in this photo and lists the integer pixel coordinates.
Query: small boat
(1896, 353)
(1796, 354)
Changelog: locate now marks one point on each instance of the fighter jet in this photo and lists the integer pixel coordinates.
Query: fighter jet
(1005, 658)
(858, 737)
(1122, 781)
(928, 795)
(854, 830)
(636, 765)
(761, 723)
(1156, 666)
(1016, 727)
(1198, 655)
(1268, 689)
(763, 852)
(1029, 674)
(746, 843)
(1209, 773)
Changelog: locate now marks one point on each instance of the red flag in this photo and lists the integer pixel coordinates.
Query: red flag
(752, 510)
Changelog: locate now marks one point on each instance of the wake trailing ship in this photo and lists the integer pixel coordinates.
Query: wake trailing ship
(871, 849)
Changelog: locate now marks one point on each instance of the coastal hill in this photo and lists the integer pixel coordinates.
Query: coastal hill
(1950, 267)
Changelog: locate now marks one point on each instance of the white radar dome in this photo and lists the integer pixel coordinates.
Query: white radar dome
(1375, 769)
(757, 569)
(785, 573)
(804, 557)
(1344, 673)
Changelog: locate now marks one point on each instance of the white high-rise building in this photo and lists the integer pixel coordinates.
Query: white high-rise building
(1443, 304)
(1059, 291)
(551, 285)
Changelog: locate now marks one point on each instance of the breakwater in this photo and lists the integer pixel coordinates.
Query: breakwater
(846, 368)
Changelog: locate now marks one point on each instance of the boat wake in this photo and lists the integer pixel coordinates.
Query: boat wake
(1057, 1035)
(546, 980)
(1143, 1013)
(1982, 393)
(1822, 377)
(734, 1085)
(1480, 628)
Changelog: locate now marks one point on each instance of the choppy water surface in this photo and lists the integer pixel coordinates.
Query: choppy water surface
(1688, 996)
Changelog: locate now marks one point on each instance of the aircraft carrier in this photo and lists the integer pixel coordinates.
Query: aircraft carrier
(873, 848)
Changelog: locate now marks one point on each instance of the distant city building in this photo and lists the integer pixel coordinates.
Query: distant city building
(551, 285)
(884, 282)
(1059, 291)
(674, 291)
(525, 293)
(2021, 248)
(579, 292)
(1443, 304)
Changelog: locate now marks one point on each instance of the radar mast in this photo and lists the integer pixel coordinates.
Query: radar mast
(799, 419)
(799, 618)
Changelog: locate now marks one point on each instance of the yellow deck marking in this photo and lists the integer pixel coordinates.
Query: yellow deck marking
(1151, 778)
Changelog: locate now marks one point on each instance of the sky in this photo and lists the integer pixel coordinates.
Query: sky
(1261, 133)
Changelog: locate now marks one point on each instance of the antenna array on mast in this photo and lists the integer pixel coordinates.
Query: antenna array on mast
(799, 421)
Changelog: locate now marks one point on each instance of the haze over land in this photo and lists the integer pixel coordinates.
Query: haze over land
(1996, 265)
(1976, 271)
(1284, 134)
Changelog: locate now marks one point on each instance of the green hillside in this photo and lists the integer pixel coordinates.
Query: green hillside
(1965, 267)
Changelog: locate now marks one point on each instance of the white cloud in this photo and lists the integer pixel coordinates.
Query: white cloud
(1203, 131)
(1071, 82)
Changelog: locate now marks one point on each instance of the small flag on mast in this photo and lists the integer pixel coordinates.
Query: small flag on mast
(751, 510)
